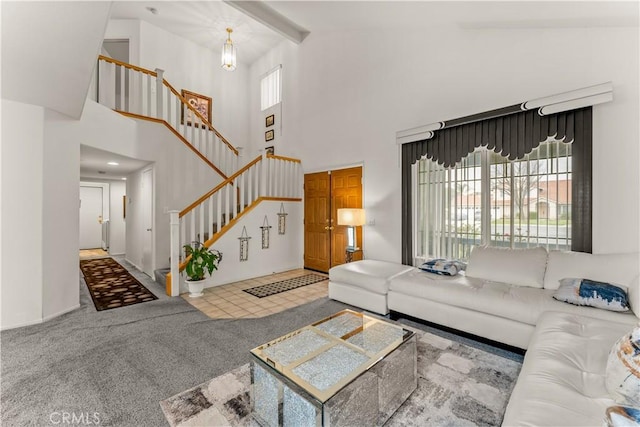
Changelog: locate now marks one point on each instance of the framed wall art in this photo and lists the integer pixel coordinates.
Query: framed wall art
(200, 103)
(270, 120)
(269, 150)
(269, 135)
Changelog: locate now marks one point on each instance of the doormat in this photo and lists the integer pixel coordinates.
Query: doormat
(458, 385)
(111, 285)
(285, 285)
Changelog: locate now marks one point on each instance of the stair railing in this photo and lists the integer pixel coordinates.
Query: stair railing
(137, 91)
(213, 214)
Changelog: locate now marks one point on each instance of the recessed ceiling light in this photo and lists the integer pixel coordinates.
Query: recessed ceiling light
(124, 179)
(113, 163)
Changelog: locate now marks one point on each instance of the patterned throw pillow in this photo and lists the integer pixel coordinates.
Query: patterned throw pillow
(443, 267)
(592, 293)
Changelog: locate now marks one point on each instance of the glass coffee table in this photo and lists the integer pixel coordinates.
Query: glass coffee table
(347, 369)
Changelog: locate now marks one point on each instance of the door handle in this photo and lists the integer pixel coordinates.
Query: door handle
(148, 229)
(329, 228)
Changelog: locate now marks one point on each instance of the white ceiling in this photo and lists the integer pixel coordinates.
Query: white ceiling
(205, 23)
(93, 161)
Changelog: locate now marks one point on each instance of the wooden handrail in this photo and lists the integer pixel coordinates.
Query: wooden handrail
(232, 221)
(200, 116)
(176, 93)
(218, 187)
(288, 159)
(177, 134)
(124, 64)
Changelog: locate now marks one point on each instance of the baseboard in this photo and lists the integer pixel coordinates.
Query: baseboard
(118, 254)
(60, 313)
(134, 264)
(21, 325)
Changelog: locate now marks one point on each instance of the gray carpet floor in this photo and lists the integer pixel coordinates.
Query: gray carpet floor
(119, 364)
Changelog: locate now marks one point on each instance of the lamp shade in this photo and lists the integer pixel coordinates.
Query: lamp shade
(351, 217)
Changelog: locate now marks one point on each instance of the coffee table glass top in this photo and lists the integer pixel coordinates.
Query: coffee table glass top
(327, 355)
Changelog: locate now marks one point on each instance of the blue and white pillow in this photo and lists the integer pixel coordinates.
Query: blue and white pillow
(592, 293)
(443, 267)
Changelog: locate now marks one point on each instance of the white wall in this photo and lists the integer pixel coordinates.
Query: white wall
(344, 97)
(285, 251)
(195, 68)
(22, 214)
(117, 223)
(61, 211)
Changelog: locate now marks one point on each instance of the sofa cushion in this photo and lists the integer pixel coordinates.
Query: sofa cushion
(606, 296)
(519, 267)
(562, 381)
(519, 303)
(611, 268)
(368, 274)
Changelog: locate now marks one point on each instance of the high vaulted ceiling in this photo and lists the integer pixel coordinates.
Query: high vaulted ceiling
(204, 22)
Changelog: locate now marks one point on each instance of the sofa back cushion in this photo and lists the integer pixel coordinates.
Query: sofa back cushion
(617, 269)
(519, 267)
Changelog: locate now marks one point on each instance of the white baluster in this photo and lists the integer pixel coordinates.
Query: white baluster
(121, 76)
(169, 103)
(219, 210)
(183, 232)
(174, 238)
(201, 223)
(242, 183)
(148, 93)
(250, 174)
(210, 202)
(159, 86)
(192, 226)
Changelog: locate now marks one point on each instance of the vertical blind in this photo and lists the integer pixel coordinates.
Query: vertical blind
(512, 136)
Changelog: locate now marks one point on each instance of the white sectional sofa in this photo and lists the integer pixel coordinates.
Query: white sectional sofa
(506, 295)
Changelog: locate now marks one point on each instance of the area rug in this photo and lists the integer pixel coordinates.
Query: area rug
(458, 385)
(285, 285)
(111, 285)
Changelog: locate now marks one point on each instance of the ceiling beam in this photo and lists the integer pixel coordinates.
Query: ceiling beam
(266, 15)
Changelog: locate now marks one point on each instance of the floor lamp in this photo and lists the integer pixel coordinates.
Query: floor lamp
(352, 218)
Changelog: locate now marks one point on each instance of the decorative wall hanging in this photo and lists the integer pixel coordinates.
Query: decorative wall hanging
(200, 103)
(265, 233)
(244, 245)
(270, 120)
(269, 135)
(282, 220)
(270, 151)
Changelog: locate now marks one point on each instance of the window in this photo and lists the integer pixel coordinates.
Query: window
(271, 88)
(488, 199)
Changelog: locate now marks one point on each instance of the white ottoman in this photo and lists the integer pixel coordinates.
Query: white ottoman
(364, 283)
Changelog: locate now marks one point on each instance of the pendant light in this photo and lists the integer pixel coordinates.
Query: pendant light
(229, 53)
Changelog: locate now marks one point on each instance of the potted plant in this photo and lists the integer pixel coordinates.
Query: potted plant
(202, 260)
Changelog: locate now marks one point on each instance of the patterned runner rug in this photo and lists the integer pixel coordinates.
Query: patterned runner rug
(458, 385)
(111, 285)
(285, 285)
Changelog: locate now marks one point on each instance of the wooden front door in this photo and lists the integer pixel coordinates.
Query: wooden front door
(346, 192)
(324, 193)
(317, 203)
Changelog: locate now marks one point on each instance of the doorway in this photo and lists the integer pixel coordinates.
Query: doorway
(324, 193)
(90, 217)
(147, 221)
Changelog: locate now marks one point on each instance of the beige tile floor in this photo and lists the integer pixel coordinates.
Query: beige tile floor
(229, 301)
(93, 253)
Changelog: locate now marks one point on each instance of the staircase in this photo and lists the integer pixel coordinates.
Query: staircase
(127, 89)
